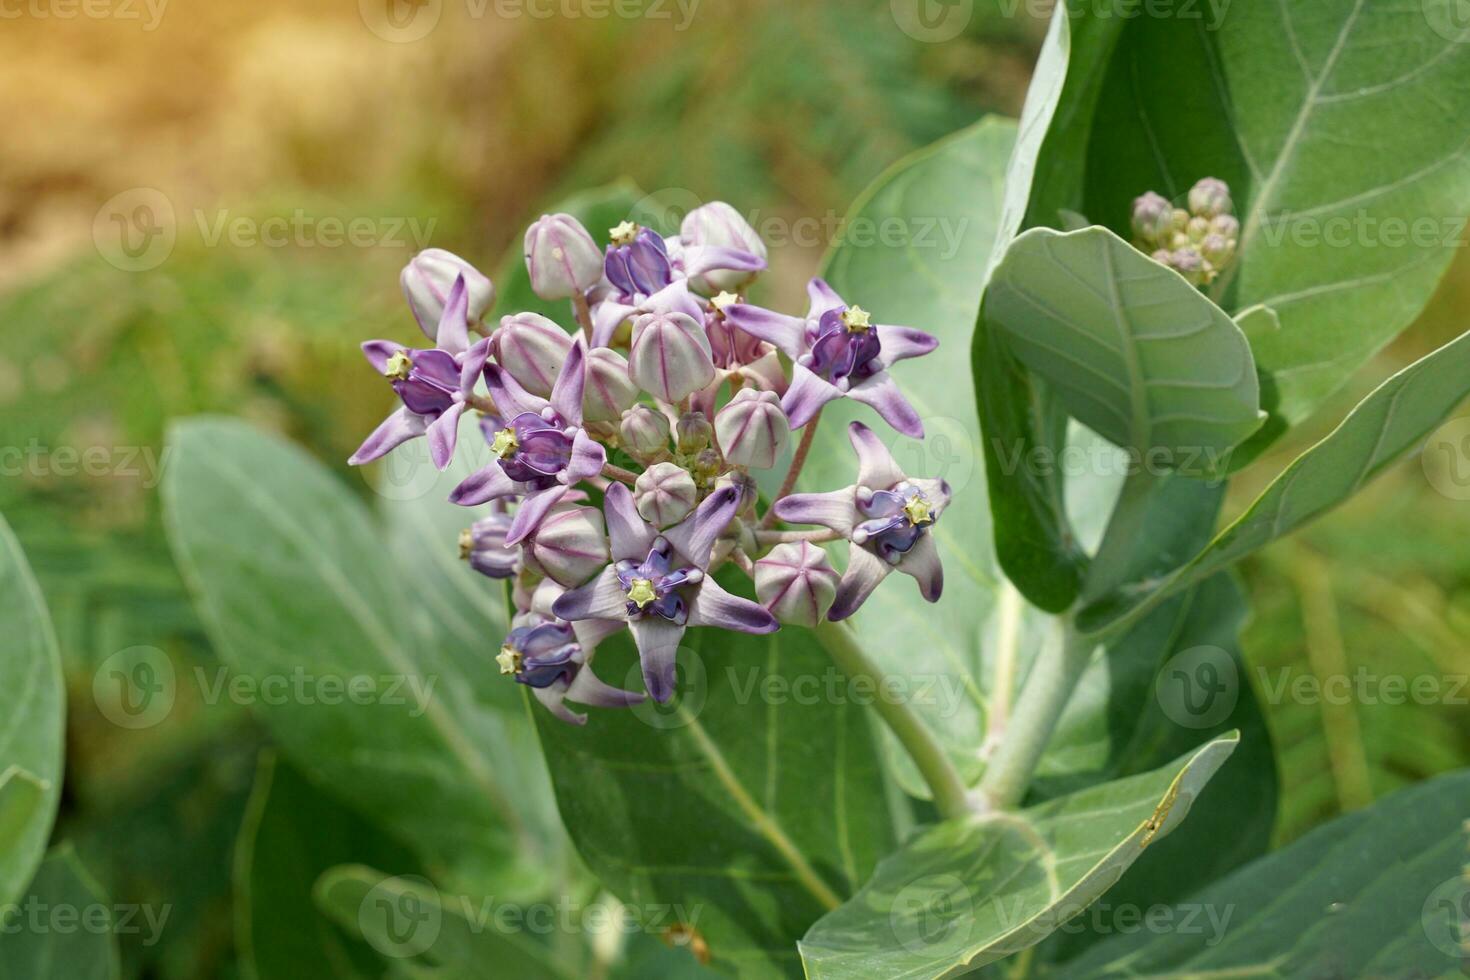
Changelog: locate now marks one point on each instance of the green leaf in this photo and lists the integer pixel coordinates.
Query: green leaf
(1393, 419)
(969, 892)
(598, 209)
(1132, 350)
(745, 809)
(1377, 893)
(293, 580)
(291, 834)
(1318, 241)
(32, 719)
(62, 928)
(959, 182)
(425, 934)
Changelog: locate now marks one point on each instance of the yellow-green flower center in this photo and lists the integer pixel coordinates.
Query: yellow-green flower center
(624, 233)
(398, 366)
(723, 299)
(505, 443)
(856, 320)
(919, 512)
(641, 593)
(509, 660)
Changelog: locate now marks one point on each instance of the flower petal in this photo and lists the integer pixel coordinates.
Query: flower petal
(922, 562)
(696, 535)
(806, 396)
(485, 484)
(443, 433)
(532, 512)
(454, 335)
(631, 537)
(473, 365)
(901, 343)
(566, 395)
(713, 606)
(393, 432)
(587, 688)
(607, 316)
(865, 571)
(378, 351)
(834, 509)
(823, 298)
(588, 456)
(658, 650)
(876, 466)
(591, 632)
(510, 398)
(699, 259)
(552, 698)
(881, 392)
(600, 599)
(787, 332)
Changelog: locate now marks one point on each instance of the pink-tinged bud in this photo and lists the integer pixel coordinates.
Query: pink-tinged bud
(532, 350)
(797, 583)
(427, 280)
(1153, 217)
(561, 257)
(609, 391)
(1197, 229)
(1226, 226)
(1210, 197)
(569, 546)
(670, 358)
(718, 224)
(1217, 250)
(1190, 264)
(664, 494)
(645, 432)
(752, 429)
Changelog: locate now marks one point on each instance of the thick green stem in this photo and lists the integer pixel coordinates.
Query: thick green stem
(1048, 688)
(950, 796)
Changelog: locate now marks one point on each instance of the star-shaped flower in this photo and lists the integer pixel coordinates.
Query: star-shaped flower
(886, 515)
(838, 352)
(658, 584)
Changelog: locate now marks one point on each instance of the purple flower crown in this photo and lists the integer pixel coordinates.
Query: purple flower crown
(710, 389)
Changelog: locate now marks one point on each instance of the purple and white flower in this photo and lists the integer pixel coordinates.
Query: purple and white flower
(658, 584)
(838, 352)
(548, 656)
(435, 385)
(483, 545)
(886, 515)
(541, 450)
(429, 278)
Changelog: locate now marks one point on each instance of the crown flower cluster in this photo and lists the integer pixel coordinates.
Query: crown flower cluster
(624, 446)
(1197, 242)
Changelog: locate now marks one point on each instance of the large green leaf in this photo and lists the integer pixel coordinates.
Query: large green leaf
(294, 580)
(1131, 348)
(969, 892)
(425, 934)
(32, 720)
(1328, 234)
(62, 928)
(745, 809)
(292, 833)
(1377, 893)
(1393, 419)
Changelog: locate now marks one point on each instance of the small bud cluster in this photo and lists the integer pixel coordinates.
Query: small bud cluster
(1198, 242)
(623, 444)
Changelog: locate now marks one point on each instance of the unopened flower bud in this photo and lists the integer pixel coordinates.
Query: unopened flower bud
(1217, 250)
(609, 390)
(1153, 217)
(1189, 264)
(665, 494)
(569, 546)
(532, 350)
(1226, 226)
(1210, 197)
(670, 358)
(797, 583)
(1197, 229)
(561, 257)
(752, 429)
(483, 546)
(645, 431)
(693, 432)
(720, 225)
(708, 464)
(427, 280)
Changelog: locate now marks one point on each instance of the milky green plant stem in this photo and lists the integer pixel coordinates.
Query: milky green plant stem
(950, 796)
(1048, 688)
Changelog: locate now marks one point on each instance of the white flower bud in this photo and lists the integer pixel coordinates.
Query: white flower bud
(427, 280)
(532, 350)
(752, 429)
(561, 257)
(665, 494)
(609, 391)
(1210, 197)
(797, 583)
(670, 358)
(569, 546)
(645, 431)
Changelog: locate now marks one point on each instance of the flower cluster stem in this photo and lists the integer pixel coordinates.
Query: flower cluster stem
(803, 448)
(950, 796)
(618, 473)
